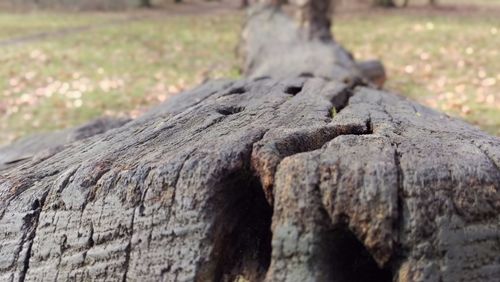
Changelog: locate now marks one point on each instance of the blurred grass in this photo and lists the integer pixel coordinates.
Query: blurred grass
(112, 70)
(14, 25)
(449, 63)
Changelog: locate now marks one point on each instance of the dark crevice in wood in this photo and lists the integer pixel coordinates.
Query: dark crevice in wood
(400, 252)
(261, 78)
(349, 260)
(212, 120)
(400, 181)
(226, 111)
(369, 127)
(341, 100)
(26, 262)
(30, 226)
(128, 249)
(237, 90)
(266, 158)
(293, 90)
(306, 74)
(90, 241)
(242, 247)
(67, 180)
(17, 161)
(35, 205)
(142, 209)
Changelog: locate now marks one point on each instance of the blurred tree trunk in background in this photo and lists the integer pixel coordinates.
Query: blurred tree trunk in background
(384, 3)
(146, 4)
(315, 17)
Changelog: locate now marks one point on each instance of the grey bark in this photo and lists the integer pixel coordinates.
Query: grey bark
(315, 17)
(273, 45)
(384, 3)
(50, 143)
(296, 178)
(145, 3)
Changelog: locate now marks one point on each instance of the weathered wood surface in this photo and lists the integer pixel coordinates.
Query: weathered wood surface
(272, 45)
(280, 179)
(47, 144)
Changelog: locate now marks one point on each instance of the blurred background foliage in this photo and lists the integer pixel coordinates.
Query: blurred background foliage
(64, 62)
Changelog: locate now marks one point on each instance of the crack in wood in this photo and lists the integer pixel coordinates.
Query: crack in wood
(31, 224)
(128, 248)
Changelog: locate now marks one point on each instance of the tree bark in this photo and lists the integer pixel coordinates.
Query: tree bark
(273, 45)
(276, 177)
(385, 3)
(315, 17)
(145, 3)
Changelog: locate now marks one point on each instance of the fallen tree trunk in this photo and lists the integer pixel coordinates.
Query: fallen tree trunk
(278, 177)
(45, 145)
(274, 46)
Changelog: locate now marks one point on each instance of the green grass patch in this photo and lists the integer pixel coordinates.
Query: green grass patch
(446, 62)
(116, 69)
(17, 25)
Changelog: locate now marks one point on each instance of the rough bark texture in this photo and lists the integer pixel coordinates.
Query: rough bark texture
(272, 45)
(278, 179)
(47, 144)
(315, 17)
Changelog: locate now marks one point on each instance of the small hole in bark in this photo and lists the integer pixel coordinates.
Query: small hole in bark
(141, 210)
(237, 90)
(369, 126)
(341, 100)
(90, 239)
(306, 74)
(351, 261)
(230, 110)
(35, 205)
(243, 236)
(293, 90)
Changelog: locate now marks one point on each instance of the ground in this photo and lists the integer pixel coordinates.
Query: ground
(60, 69)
